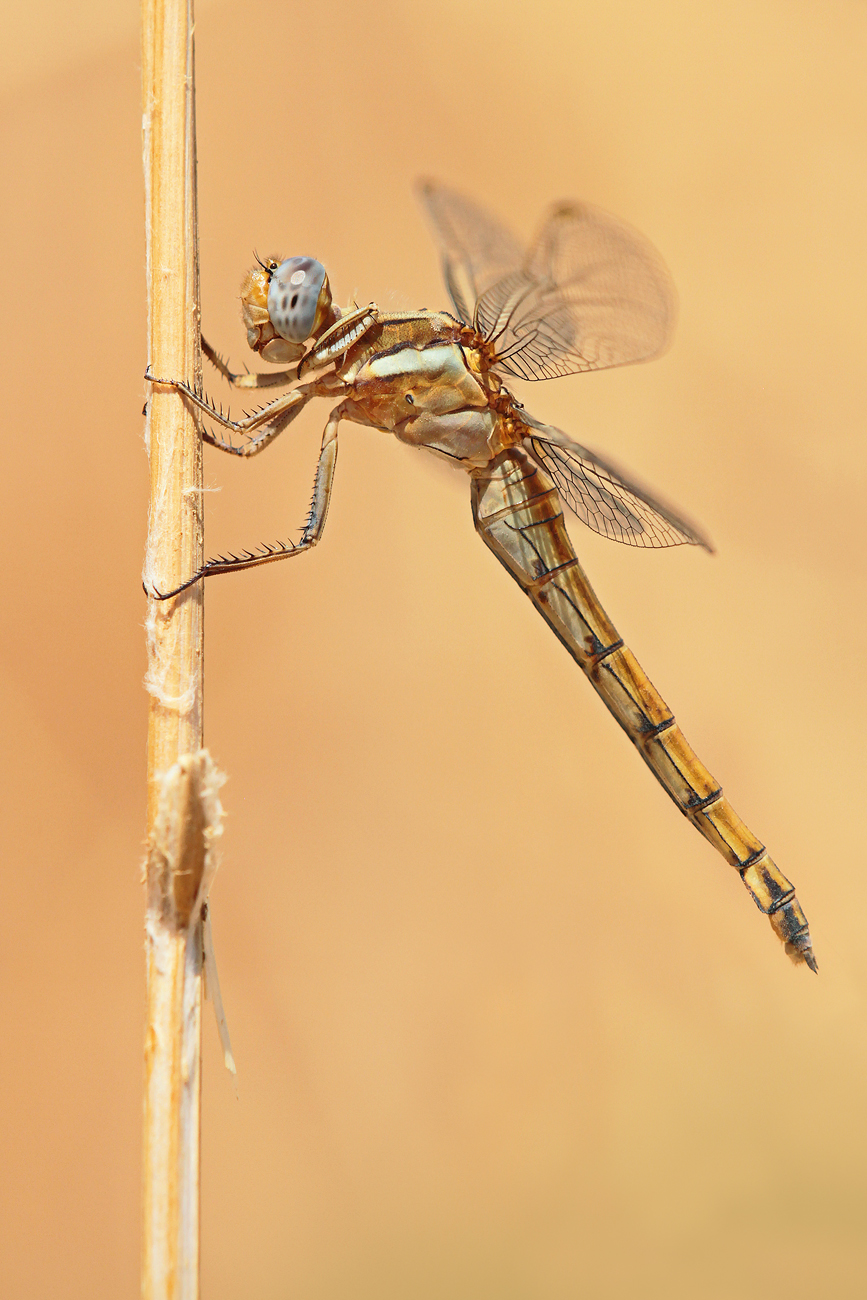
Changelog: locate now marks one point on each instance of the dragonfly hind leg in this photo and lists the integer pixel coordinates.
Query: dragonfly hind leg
(267, 553)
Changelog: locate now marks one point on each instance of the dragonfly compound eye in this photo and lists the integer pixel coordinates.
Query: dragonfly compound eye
(299, 298)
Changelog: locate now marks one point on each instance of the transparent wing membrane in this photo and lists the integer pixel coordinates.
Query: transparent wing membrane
(590, 292)
(605, 499)
(477, 250)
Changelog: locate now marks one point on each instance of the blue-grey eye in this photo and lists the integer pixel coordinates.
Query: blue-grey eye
(298, 298)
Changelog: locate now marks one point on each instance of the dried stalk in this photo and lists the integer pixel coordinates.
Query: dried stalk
(178, 772)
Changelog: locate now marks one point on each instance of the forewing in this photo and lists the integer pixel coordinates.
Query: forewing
(591, 293)
(477, 250)
(604, 498)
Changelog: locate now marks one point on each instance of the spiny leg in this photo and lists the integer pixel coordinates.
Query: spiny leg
(351, 326)
(279, 378)
(267, 435)
(265, 415)
(281, 550)
(342, 335)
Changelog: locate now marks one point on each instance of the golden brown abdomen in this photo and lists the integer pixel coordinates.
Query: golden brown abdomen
(518, 514)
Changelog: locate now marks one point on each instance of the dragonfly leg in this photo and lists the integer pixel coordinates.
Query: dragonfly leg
(266, 415)
(276, 379)
(276, 424)
(312, 531)
(342, 335)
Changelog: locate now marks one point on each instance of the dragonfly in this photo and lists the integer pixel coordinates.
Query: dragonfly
(588, 293)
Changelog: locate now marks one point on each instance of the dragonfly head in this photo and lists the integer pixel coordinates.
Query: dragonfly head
(284, 303)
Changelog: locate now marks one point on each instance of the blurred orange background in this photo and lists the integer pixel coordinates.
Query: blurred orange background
(505, 1025)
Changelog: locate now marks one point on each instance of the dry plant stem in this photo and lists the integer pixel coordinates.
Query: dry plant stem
(174, 677)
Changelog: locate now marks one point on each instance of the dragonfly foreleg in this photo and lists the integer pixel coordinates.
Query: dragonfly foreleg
(266, 415)
(276, 424)
(277, 379)
(267, 553)
(337, 340)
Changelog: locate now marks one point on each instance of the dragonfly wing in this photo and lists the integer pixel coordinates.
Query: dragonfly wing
(590, 293)
(477, 250)
(603, 497)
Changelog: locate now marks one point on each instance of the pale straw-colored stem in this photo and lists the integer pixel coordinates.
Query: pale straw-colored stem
(177, 827)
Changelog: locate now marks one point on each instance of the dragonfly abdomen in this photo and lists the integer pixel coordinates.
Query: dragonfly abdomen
(518, 513)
